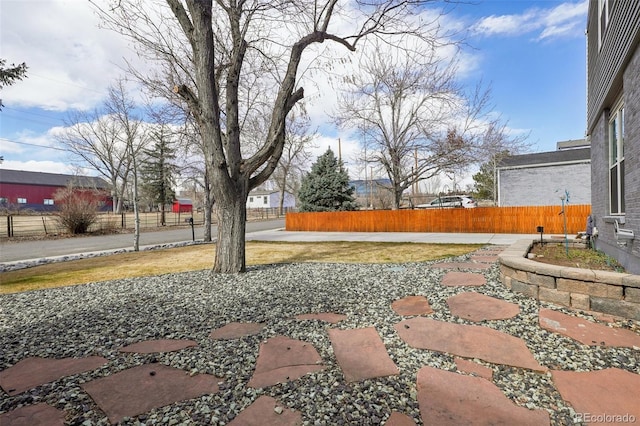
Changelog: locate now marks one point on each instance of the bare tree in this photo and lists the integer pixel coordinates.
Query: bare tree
(295, 157)
(414, 116)
(241, 47)
(109, 140)
(93, 138)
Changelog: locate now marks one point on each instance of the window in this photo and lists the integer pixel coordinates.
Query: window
(22, 201)
(4, 200)
(251, 199)
(603, 19)
(266, 201)
(616, 161)
(48, 202)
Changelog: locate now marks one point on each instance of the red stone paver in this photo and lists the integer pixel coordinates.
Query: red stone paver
(611, 393)
(236, 330)
(587, 332)
(473, 368)
(361, 354)
(323, 316)
(461, 265)
(33, 415)
(454, 279)
(447, 398)
(469, 341)
(282, 359)
(412, 305)
(160, 345)
(264, 412)
(399, 419)
(139, 389)
(479, 307)
(31, 372)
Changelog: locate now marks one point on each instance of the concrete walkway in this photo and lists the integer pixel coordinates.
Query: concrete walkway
(404, 237)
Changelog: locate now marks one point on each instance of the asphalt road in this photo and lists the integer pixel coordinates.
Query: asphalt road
(17, 251)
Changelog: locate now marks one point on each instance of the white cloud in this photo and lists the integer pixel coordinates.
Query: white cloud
(70, 60)
(564, 20)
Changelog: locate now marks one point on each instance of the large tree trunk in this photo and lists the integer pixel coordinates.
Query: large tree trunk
(232, 216)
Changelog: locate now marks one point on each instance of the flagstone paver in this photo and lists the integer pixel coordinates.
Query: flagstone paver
(461, 265)
(399, 419)
(160, 345)
(611, 393)
(447, 398)
(266, 411)
(139, 389)
(329, 317)
(412, 305)
(587, 332)
(361, 354)
(236, 330)
(35, 371)
(33, 415)
(454, 279)
(282, 359)
(469, 341)
(479, 307)
(473, 368)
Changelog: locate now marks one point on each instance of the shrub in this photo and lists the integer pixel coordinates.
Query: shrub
(77, 209)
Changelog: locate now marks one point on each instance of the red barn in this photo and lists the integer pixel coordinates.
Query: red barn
(182, 205)
(35, 190)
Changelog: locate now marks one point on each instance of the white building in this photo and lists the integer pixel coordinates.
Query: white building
(260, 199)
(539, 179)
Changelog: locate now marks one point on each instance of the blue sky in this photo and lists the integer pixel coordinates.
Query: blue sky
(531, 52)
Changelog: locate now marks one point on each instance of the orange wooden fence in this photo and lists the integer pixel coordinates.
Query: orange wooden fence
(498, 220)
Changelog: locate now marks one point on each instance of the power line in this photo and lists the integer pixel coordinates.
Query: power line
(31, 120)
(33, 144)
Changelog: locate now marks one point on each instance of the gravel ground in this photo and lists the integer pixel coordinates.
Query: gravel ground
(100, 318)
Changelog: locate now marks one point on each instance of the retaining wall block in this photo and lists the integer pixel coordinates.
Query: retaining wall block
(506, 281)
(524, 288)
(581, 301)
(541, 280)
(632, 294)
(616, 307)
(631, 281)
(554, 296)
(591, 288)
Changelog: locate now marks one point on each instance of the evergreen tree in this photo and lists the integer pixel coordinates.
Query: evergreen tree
(485, 179)
(326, 187)
(158, 171)
(11, 74)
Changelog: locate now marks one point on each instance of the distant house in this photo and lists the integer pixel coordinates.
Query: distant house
(36, 190)
(365, 188)
(182, 205)
(613, 126)
(260, 199)
(539, 179)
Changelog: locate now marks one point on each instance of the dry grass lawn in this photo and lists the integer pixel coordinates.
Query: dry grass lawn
(199, 257)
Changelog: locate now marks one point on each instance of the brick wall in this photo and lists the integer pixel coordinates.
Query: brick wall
(542, 186)
(629, 255)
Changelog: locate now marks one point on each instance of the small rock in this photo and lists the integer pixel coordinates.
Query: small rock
(278, 410)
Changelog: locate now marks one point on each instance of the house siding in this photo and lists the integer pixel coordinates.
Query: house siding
(543, 186)
(605, 62)
(614, 73)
